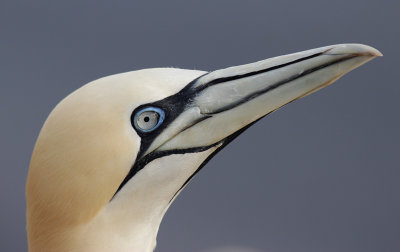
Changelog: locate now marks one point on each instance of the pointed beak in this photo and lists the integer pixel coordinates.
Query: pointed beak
(223, 102)
(216, 107)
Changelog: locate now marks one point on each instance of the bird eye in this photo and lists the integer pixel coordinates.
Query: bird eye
(148, 119)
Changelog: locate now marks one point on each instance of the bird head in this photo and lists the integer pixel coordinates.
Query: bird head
(113, 155)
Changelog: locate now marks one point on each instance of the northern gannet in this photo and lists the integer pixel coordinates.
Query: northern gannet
(113, 155)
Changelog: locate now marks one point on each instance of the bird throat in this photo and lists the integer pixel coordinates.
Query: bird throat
(130, 222)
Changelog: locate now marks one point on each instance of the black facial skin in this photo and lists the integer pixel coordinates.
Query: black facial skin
(172, 106)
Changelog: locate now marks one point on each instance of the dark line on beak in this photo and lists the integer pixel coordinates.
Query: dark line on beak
(240, 76)
(224, 142)
(278, 84)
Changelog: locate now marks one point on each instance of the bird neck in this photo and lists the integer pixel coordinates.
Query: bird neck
(131, 220)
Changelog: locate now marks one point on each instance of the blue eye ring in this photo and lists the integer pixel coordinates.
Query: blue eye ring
(161, 116)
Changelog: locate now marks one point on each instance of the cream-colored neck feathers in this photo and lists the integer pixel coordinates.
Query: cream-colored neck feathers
(84, 150)
(131, 221)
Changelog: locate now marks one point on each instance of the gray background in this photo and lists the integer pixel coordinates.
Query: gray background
(321, 174)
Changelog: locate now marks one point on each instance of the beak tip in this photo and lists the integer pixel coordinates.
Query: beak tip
(355, 49)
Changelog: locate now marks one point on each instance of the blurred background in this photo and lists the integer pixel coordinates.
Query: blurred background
(321, 174)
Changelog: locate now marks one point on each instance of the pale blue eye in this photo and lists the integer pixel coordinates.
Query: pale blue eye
(148, 119)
